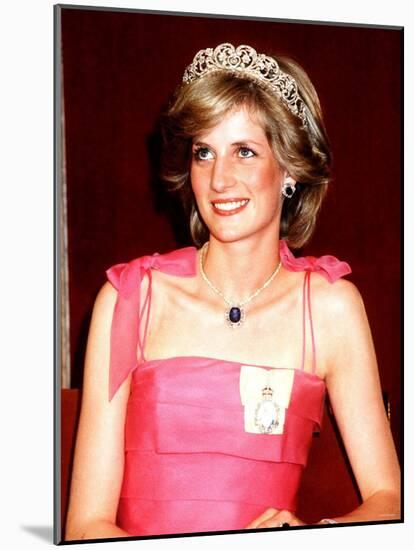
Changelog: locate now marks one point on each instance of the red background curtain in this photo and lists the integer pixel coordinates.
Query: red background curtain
(119, 69)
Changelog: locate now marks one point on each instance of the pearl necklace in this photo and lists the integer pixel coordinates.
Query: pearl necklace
(235, 314)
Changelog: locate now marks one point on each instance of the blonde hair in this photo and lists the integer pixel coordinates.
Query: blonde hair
(303, 152)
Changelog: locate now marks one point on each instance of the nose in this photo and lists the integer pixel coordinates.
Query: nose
(222, 175)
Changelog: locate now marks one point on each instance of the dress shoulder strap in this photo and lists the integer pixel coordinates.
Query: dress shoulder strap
(329, 267)
(128, 312)
(306, 307)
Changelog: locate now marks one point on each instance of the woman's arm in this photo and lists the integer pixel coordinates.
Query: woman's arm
(99, 454)
(355, 393)
(346, 357)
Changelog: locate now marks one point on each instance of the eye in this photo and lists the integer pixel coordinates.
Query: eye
(202, 153)
(246, 153)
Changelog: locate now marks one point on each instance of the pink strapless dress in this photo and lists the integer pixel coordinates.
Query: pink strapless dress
(190, 466)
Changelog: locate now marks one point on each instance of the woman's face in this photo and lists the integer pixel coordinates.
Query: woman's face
(236, 179)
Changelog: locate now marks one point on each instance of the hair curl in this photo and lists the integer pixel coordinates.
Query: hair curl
(304, 152)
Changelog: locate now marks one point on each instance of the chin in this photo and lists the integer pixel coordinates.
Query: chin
(229, 236)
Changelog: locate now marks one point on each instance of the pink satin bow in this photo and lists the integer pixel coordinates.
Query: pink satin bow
(328, 266)
(126, 278)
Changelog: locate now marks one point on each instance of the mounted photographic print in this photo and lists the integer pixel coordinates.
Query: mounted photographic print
(228, 208)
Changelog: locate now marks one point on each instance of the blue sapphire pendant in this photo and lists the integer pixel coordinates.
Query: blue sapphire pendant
(235, 316)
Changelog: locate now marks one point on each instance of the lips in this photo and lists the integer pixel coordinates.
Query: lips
(228, 207)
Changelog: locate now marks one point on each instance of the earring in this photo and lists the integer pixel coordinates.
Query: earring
(288, 189)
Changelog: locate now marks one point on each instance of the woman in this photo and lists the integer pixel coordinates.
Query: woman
(218, 357)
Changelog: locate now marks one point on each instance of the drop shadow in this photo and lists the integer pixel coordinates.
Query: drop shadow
(44, 532)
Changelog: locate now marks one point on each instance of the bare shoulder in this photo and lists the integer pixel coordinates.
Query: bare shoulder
(338, 299)
(103, 307)
(341, 324)
(106, 297)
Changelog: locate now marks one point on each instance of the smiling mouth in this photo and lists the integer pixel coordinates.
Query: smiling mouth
(229, 207)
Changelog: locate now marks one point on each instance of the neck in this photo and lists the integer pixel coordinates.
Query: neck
(239, 268)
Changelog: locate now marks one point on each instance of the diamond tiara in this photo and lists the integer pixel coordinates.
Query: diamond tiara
(245, 61)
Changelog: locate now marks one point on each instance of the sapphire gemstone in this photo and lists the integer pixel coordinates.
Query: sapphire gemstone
(235, 314)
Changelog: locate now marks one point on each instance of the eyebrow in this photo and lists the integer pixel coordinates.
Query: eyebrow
(248, 141)
(240, 143)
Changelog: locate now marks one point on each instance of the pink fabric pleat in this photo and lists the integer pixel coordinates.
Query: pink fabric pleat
(149, 517)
